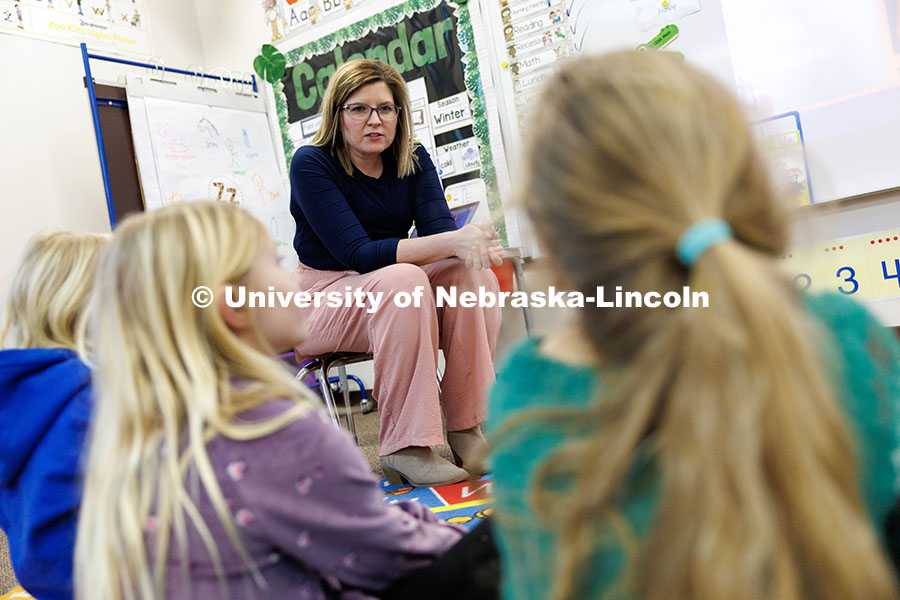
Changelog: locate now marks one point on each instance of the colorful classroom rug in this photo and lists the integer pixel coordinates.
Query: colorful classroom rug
(17, 593)
(466, 503)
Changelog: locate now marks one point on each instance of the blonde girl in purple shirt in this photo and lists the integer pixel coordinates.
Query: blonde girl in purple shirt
(211, 473)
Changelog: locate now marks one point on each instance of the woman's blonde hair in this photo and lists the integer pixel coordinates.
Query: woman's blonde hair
(50, 290)
(170, 376)
(759, 494)
(351, 76)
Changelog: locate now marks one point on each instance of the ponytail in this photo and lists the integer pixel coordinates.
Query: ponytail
(730, 408)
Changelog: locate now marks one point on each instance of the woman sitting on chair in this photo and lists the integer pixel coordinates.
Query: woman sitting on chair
(355, 193)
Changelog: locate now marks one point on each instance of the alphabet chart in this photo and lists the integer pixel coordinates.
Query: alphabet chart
(865, 267)
(300, 14)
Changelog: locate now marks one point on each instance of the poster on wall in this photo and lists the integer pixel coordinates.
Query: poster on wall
(781, 141)
(113, 25)
(430, 42)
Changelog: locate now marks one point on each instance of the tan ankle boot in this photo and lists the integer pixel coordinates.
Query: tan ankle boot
(420, 467)
(469, 449)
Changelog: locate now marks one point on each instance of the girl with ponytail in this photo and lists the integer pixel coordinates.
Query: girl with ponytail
(738, 451)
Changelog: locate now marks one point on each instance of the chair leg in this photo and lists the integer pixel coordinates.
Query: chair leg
(322, 376)
(345, 390)
(520, 283)
(321, 367)
(306, 370)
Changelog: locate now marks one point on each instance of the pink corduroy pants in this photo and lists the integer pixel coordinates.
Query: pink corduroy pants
(405, 342)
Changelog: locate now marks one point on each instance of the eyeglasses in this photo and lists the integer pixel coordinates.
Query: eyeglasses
(362, 112)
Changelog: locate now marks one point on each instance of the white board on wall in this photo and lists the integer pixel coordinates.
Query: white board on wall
(836, 64)
(194, 144)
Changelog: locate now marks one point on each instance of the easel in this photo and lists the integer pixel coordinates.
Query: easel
(96, 102)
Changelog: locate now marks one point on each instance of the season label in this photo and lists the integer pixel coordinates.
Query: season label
(450, 113)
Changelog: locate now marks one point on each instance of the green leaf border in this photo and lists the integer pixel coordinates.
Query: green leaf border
(471, 76)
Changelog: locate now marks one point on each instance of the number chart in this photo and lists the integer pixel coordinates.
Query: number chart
(865, 267)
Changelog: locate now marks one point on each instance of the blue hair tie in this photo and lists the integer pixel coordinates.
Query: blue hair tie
(700, 237)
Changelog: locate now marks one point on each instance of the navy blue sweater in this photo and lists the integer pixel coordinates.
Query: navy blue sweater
(45, 410)
(356, 222)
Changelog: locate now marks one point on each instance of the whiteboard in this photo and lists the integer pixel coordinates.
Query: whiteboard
(836, 65)
(196, 144)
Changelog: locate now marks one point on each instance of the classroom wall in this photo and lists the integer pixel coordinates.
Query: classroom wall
(48, 157)
(232, 32)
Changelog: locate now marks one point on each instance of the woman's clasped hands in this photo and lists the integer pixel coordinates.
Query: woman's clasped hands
(479, 245)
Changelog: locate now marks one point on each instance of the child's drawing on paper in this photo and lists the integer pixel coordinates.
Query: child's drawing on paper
(174, 144)
(206, 126)
(229, 145)
(260, 186)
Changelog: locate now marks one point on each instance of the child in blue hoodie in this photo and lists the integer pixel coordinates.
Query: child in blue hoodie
(45, 409)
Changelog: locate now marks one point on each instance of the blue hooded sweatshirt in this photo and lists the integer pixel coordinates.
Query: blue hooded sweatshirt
(44, 415)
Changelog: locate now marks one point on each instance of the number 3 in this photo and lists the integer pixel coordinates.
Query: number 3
(847, 280)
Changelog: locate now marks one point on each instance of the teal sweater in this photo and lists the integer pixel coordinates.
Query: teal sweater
(867, 380)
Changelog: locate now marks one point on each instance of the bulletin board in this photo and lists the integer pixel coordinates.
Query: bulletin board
(434, 44)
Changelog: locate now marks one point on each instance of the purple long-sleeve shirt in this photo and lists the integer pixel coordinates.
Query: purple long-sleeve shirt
(311, 514)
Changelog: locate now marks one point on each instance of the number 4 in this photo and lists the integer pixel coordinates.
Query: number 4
(896, 274)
